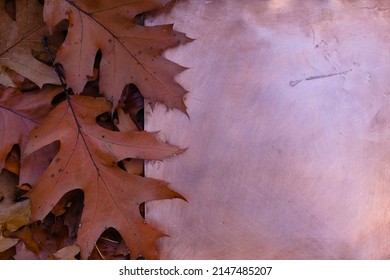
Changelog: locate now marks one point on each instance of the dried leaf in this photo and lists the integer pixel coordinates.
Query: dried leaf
(126, 124)
(26, 236)
(16, 79)
(107, 246)
(13, 214)
(121, 250)
(134, 166)
(67, 253)
(5, 79)
(52, 235)
(7, 254)
(12, 162)
(19, 114)
(43, 239)
(6, 243)
(130, 53)
(18, 39)
(87, 160)
(24, 253)
(72, 216)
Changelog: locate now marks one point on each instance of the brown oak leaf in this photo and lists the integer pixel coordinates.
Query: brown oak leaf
(20, 112)
(130, 53)
(19, 37)
(87, 160)
(41, 240)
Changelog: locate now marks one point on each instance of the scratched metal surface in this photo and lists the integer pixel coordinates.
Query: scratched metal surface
(288, 137)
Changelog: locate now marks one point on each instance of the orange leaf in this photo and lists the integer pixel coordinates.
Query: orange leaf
(87, 160)
(130, 53)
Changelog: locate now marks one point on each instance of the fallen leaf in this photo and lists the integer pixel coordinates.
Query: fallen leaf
(130, 53)
(106, 247)
(43, 238)
(122, 250)
(126, 124)
(10, 8)
(132, 103)
(16, 79)
(26, 236)
(7, 243)
(12, 162)
(87, 160)
(72, 216)
(8, 254)
(67, 253)
(134, 166)
(19, 37)
(52, 235)
(23, 253)
(5, 79)
(13, 214)
(20, 112)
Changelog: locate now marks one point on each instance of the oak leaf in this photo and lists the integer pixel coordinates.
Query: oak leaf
(126, 124)
(13, 214)
(20, 112)
(27, 248)
(87, 160)
(7, 243)
(67, 253)
(130, 53)
(41, 240)
(106, 248)
(19, 37)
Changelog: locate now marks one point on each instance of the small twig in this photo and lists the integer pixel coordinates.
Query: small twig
(100, 253)
(109, 240)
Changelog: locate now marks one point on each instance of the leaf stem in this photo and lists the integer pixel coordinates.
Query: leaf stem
(44, 42)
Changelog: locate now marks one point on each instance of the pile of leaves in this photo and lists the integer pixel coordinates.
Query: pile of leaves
(72, 143)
